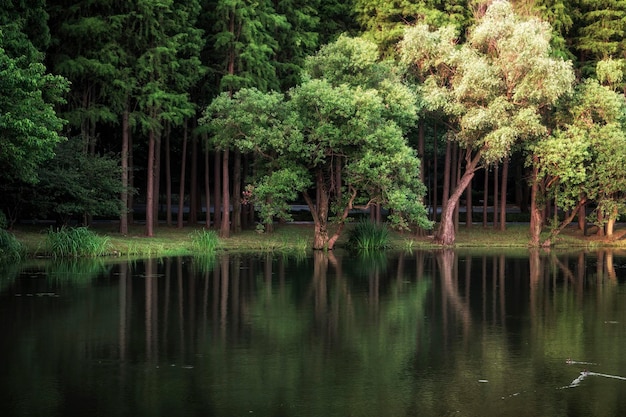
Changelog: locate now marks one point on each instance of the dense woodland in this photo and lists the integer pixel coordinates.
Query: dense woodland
(224, 113)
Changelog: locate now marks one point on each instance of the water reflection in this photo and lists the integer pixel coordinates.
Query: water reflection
(431, 334)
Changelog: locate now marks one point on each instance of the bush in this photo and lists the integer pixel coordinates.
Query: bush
(204, 241)
(367, 235)
(76, 242)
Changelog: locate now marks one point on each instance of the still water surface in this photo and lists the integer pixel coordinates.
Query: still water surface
(426, 334)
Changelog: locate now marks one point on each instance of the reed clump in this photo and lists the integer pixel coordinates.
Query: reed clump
(76, 242)
(367, 235)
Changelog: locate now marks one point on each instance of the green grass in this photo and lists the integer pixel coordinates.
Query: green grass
(11, 249)
(204, 241)
(294, 239)
(76, 242)
(368, 236)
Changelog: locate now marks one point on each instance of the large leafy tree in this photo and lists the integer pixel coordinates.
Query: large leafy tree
(29, 125)
(495, 89)
(350, 109)
(583, 160)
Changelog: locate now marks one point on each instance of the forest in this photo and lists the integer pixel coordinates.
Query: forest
(430, 115)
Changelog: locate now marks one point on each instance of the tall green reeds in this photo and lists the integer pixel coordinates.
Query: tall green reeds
(367, 236)
(204, 241)
(76, 242)
(10, 248)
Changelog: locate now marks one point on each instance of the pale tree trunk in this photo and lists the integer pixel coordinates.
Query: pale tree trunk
(503, 190)
(446, 234)
(582, 219)
(455, 178)
(183, 173)
(225, 225)
(124, 163)
(610, 224)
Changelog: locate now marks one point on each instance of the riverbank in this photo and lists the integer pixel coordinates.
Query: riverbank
(169, 240)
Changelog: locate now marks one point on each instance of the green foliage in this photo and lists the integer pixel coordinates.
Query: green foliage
(496, 88)
(29, 125)
(204, 241)
(76, 242)
(75, 183)
(10, 248)
(368, 236)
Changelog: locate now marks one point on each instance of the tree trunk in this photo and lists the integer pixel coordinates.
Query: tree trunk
(435, 181)
(207, 189)
(446, 234)
(217, 192)
(485, 198)
(610, 224)
(446, 176)
(150, 187)
(225, 225)
(124, 163)
(469, 207)
(496, 183)
(236, 220)
(131, 178)
(168, 179)
(535, 211)
(319, 212)
(455, 177)
(157, 176)
(183, 174)
(193, 183)
(503, 190)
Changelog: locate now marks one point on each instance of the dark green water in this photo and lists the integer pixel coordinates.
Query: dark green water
(426, 334)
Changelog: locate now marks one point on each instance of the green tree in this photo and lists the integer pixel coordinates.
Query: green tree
(583, 161)
(495, 89)
(600, 35)
(75, 184)
(331, 117)
(29, 125)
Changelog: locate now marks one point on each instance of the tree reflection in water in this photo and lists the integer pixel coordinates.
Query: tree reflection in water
(430, 333)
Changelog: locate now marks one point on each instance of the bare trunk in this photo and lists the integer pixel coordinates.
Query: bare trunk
(536, 218)
(207, 190)
(150, 187)
(131, 179)
(225, 225)
(124, 163)
(193, 183)
(319, 212)
(217, 192)
(485, 198)
(183, 173)
(168, 180)
(610, 224)
(503, 190)
(446, 234)
(469, 207)
(496, 183)
(157, 176)
(446, 176)
(435, 182)
(236, 220)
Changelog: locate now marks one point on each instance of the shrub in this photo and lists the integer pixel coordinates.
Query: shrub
(367, 235)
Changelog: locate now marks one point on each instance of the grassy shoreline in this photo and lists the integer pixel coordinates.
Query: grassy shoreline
(169, 241)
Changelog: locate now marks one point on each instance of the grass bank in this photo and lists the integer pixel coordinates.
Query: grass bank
(169, 241)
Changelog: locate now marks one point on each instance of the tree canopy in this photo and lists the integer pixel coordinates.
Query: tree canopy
(334, 133)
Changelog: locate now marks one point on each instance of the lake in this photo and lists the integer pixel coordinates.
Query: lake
(433, 333)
